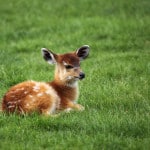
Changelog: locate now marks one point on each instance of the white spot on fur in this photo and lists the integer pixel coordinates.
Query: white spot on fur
(65, 64)
(27, 105)
(30, 96)
(25, 92)
(36, 88)
(13, 96)
(11, 106)
(33, 100)
(18, 89)
(19, 101)
(48, 92)
(40, 94)
(22, 88)
(69, 77)
(67, 110)
(14, 102)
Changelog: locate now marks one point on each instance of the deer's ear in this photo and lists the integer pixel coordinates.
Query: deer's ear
(49, 56)
(83, 52)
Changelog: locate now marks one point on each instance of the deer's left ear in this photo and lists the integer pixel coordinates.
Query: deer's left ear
(83, 52)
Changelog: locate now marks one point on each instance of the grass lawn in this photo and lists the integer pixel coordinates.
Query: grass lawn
(115, 91)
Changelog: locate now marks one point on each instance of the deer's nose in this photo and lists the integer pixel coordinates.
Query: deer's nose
(81, 75)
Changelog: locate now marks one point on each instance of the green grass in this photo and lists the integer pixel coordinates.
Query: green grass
(115, 92)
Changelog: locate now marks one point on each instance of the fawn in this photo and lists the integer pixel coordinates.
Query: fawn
(49, 97)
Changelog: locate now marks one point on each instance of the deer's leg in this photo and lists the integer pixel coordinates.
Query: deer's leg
(69, 105)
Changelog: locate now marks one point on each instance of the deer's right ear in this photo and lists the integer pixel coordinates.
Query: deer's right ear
(48, 56)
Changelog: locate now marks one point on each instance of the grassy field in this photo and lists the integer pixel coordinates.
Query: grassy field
(115, 92)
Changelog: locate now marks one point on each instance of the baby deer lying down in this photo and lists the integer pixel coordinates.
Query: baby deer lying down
(48, 98)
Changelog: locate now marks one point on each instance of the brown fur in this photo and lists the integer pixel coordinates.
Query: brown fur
(47, 98)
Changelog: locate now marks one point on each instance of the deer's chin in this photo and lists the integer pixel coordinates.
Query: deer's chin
(78, 78)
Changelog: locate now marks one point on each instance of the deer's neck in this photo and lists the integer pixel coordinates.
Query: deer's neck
(65, 91)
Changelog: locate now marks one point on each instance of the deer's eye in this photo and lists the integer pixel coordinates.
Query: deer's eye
(68, 67)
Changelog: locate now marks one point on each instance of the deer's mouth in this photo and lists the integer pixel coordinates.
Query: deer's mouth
(79, 78)
(75, 78)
